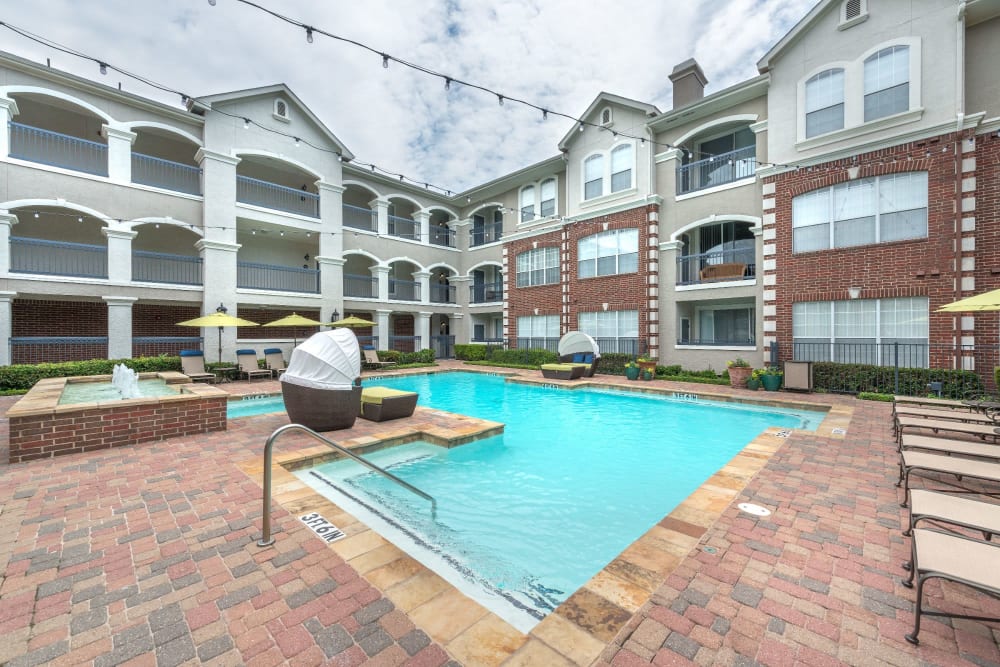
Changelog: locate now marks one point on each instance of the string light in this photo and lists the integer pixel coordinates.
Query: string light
(500, 99)
(309, 34)
(447, 83)
(103, 67)
(385, 61)
(246, 123)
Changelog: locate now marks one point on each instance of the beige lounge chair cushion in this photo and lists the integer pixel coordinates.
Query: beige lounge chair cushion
(377, 394)
(561, 367)
(951, 446)
(956, 509)
(977, 563)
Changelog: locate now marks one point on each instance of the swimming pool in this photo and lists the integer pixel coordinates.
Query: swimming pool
(526, 518)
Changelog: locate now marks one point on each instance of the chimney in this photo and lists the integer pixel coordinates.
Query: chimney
(689, 83)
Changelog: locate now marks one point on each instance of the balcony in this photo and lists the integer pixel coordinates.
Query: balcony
(364, 287)
(717, 170)
(487, 234)
(251, 275)
(716, 342)
(357, 217)
(442, 236)
(278, 197)
(404, 228)
(160, 173)
(716, 266)
(159, 267)
(58, 150)
(403, 290)
(486, 293)
(58, 258)
(442, 293)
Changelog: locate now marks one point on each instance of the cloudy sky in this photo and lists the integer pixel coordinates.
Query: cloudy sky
(558, 54)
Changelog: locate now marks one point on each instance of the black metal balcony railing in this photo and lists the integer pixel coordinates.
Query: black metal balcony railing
(58, 150)
(708, 267)
(404, 290)
(442, 236)
(251, 275)
(365, 287)
(278, 197)
(58, 258)
(608, 345)
(536, 343)
(358, 217)
(718, 342)
(442, 293)
(717, 170)
(487, 234)
(404, 343)
(492, 293)
(404, 228)
(160, 267)
(160, 173)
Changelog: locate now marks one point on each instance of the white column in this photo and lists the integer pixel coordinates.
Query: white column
(219, 265)
(423, 329)
(424, 283)
(382, 274)
(382, 330)
(5, 326)
(381, 208)
(119, 326)
(461, 285)
(331, 247)
(457, 328)
(120, 143)
(7, 221)
(119, 255)
(219, 188)
(423, 219)
(331, 280)
(8, 109)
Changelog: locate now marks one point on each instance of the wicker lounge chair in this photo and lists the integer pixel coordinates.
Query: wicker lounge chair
(954, 558)
(922, 463)
(248, 366)
(372, 360)
(319, 387)
(585, 359)
(379, 404)
(576, 347)
(274, 358)
(193, 365)
(563, 371)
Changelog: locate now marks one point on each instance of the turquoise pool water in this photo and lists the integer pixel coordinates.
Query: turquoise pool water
(526, 518)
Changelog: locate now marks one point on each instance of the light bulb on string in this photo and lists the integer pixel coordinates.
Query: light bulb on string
(385, 61)
(447, 83)
(296, 141)
(309, 34)
(211, 3)
(581, 127)
(246, 123)
(103, 67)
(545, 114)
(500, 99)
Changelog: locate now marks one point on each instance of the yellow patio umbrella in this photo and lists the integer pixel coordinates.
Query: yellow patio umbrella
(294, 320)
(351, 322)
(218, 319)
(984, 301)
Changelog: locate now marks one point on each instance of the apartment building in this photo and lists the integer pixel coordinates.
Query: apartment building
(830, 203)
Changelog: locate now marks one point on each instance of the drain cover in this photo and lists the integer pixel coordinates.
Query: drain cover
(756, 510)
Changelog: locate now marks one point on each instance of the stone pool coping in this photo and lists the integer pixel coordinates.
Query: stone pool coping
(579, 630)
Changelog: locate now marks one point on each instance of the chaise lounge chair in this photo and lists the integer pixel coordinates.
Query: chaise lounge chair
(248, 366)
(372, 360)
(928, 505)
(576, 347)
(948, 446)
(193, 365)
(379, 404)
(907, 423)
(274, 358)
(922, 463)
(563, 371)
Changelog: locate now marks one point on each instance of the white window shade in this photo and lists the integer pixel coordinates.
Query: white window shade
(621, 168)
(593, 177)
(904, 318)
(854, 319)
(811, 319)
(887, 68)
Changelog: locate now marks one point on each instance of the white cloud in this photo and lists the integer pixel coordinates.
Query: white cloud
(558, 54)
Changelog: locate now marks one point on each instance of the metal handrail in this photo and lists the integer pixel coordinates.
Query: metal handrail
(265, 539)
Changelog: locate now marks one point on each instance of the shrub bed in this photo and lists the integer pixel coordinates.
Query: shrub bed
(22, 377)
(470, 352)
(857, 378)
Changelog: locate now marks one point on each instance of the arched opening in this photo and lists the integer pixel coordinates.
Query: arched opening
(442, 291)
(164, 159)
(721, 154)
(723, 250)
(487, 284)
(166, 253)
(358, 213)
(55, 241)
(402, 283)
(276, 184)
(401, 220)
(359, 282)
(277, 258)
(442, 229)
(487, 226)
(54, 131)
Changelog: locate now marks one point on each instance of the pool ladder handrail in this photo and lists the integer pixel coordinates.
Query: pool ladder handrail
(265, 539)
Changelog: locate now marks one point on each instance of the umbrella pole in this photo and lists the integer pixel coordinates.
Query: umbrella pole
(220, 345)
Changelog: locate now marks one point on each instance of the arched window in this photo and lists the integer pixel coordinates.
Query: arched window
(621, 168)
(548, 205)
(825, 102)
(887, 82)
(281, 109)
(593, 177)
(606, 116)
(527, 203)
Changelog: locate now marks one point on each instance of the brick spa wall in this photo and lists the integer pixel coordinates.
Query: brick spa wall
(919, 267)
(41, 429)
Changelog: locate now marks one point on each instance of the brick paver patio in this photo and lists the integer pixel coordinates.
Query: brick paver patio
(147, 555)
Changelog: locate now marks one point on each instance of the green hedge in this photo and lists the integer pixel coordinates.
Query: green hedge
(528, 357)
(470, 352)
(22, 377)
(613, 363)
(857, 378)
(422, 357)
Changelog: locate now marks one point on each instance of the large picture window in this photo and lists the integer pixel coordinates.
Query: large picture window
(860, 212)
(538, 267)
(825, 102)
(862, 331)
(887, 82)
(608, 253)
(538, 331)
(616, 331)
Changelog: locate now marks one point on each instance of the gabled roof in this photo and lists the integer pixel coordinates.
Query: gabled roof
(284, 90)
(605, 98)
(764, 64)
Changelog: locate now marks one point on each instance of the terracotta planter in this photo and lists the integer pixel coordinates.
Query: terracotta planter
(738, 375)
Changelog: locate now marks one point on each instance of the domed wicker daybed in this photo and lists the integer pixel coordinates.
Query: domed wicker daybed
(320, 386)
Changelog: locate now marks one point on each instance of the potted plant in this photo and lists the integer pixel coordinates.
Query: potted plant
(771, 378)
(631, 370)
(646, 367)
(753, 382)
(739, 371)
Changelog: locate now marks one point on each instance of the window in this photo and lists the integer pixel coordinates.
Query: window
(281, 110)
(608, 253)
(825, 102)
(887, 82)
(726, 326)
(860, 212)
(538, 267)
(593, 177)
(606, 116)
(548, 197)
(862, 331)
(614, 330)
(621, 168)
(527, 203)
(537, 327)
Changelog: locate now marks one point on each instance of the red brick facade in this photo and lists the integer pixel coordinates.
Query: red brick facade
(628, 291)
(928, 266)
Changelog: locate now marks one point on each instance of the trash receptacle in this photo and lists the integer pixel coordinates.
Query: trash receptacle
(798, 375)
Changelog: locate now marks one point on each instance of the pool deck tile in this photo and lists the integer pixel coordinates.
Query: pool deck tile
(148, 552)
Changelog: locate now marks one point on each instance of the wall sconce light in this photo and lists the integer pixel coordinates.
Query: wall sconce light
(306, 257)
(854, 292)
